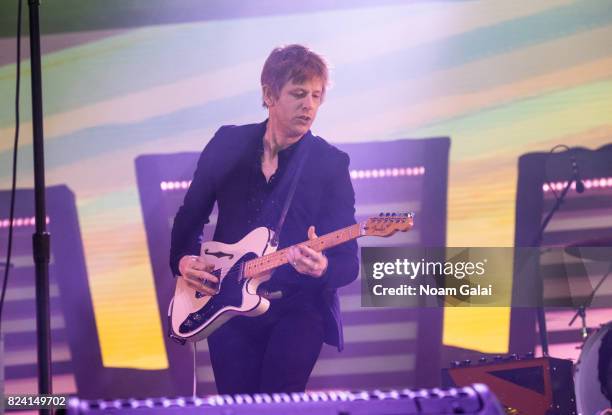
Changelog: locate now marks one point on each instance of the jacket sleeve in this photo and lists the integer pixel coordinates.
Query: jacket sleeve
(196, 208)
(338, 211)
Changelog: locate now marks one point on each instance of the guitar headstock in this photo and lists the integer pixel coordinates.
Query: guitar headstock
(386, 224)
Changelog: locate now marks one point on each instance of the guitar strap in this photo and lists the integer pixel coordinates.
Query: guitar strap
(302, 159)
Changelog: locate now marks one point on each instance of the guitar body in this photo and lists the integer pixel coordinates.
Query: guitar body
(194, 316)
(242, 266)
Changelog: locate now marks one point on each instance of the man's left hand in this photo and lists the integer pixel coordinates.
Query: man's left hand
(306, 260)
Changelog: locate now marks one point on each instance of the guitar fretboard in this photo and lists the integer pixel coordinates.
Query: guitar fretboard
(261, 265)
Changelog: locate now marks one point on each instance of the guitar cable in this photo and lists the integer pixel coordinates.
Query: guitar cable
(9, 247)
(195, 370)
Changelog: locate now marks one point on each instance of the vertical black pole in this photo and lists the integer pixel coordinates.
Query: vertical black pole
(40, 239)
(541, 316)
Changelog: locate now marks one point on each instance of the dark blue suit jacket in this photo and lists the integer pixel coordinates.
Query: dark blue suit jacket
(324, 197)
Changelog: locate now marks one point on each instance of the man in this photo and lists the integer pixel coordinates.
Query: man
(248, 171)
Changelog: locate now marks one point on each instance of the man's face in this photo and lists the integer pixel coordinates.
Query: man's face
(296, 107)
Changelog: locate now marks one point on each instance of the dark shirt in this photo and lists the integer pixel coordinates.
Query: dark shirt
(261, 191)
(265, 201)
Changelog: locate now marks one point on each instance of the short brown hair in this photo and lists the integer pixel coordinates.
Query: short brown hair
(294, 63)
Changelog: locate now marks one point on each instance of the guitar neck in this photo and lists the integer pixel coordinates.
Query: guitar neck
(266, 263)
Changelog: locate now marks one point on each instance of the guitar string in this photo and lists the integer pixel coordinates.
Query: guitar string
(274, 256)
(334, 236)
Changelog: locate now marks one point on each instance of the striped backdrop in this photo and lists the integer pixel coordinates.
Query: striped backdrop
(500, 78)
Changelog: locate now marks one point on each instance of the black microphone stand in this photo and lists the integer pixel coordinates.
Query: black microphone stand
(41, 238)
(537, 241)
(581, 311)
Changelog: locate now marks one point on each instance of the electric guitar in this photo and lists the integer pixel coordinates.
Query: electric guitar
(242, 266)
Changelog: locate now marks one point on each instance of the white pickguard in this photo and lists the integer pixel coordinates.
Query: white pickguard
(223, 257)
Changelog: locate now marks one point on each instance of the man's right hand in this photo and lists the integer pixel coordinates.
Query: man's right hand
(196, 273)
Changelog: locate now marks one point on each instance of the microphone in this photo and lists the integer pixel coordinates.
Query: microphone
(576, 176)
